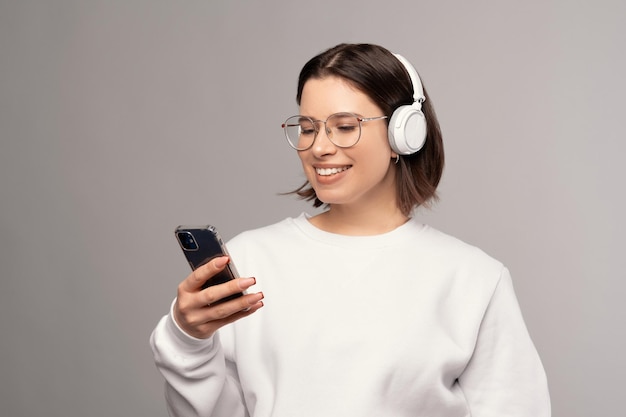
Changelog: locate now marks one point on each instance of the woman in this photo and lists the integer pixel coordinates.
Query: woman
(369, 312)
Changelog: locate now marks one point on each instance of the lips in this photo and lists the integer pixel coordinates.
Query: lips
(324, 172)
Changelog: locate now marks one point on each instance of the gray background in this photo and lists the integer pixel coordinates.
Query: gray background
(122, 119)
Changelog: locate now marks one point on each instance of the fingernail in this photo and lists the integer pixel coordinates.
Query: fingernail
(256, 298)
(247, 282)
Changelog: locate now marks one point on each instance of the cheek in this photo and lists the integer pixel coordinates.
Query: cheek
(378, 136)
(378, 144)
(377, 153)
(306, 164)
(303, 158)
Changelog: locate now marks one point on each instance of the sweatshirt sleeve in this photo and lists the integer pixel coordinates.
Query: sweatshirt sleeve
(505, 376)
(199, 381)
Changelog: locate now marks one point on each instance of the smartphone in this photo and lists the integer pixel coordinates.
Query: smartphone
(200, 244)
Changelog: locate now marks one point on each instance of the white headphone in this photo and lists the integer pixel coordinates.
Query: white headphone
(407, 126)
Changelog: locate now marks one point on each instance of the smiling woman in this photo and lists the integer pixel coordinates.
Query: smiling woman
(412, 124)
(365, 174)
(369, 312)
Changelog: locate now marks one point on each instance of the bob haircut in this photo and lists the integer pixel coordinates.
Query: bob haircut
(377, 73)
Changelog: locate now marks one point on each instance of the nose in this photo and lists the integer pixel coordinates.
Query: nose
(322, 126)
(322, 144)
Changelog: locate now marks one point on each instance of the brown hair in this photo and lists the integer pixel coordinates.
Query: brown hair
(376, 72)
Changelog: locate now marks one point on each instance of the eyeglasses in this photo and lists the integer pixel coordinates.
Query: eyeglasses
(342, 129)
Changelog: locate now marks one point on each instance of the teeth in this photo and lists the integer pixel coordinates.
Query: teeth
(329, 171)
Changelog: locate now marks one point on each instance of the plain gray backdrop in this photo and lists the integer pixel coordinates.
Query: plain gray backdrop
(121, 119)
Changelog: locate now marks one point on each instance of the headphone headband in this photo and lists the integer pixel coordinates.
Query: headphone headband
(418, 91)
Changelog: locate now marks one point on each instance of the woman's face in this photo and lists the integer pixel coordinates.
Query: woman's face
(362, 174)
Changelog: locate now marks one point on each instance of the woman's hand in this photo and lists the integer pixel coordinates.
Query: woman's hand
(195, 311)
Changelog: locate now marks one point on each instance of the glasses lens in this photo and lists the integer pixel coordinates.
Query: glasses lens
(345, 129)
(300, 132)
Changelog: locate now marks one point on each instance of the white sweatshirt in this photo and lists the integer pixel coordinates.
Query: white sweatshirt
(408, 323)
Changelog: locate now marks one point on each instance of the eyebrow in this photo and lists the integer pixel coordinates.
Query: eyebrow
(339, 112)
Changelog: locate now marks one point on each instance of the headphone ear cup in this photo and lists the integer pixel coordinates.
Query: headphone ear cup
(407, 130)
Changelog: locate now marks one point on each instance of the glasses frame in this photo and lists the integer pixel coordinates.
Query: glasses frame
(317, 131)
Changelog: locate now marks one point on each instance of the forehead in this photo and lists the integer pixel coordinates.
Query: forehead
(322, 97)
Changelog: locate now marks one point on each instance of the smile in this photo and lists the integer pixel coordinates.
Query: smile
(330, 171)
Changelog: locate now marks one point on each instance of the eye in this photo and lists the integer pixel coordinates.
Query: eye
(344, 123)
(307, 129)
(346, 128)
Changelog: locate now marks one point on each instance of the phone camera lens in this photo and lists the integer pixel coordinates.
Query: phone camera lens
(187, 241)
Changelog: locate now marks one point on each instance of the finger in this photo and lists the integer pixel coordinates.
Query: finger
(238, 315)
(232, 310)
(204, 322)
(228, 308)
(207, 328)
(200, 275)
(212, 294)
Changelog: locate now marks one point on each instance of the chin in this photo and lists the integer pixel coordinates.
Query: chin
(329, 198)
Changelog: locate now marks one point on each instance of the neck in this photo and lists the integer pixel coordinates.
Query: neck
(359, 221)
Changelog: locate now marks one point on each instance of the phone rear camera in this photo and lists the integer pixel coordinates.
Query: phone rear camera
(187, 241)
